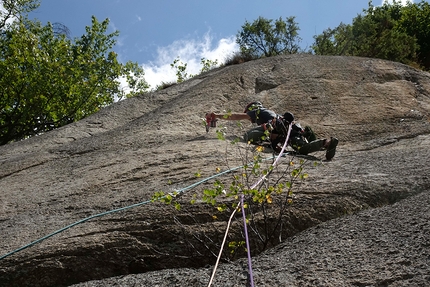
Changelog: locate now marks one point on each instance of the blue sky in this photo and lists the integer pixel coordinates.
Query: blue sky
(153, 33)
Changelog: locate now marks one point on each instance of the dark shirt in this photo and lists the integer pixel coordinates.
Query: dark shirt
(262, 116)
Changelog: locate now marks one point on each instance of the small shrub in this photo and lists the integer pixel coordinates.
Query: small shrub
(267, 190)
(238, 58)
(164, 85)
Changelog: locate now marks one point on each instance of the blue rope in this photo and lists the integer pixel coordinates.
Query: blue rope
(71, 225)
(113, 211)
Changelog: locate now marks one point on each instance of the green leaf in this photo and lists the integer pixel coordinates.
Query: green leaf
(51, 80)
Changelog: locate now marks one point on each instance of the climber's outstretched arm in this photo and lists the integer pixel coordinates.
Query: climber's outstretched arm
(232, 116)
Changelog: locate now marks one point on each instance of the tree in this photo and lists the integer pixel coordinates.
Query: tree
(265, 38)
(48, 80)
(391, 31)
(376, 35)
(415, 21)
(14, 9)
(333, 41)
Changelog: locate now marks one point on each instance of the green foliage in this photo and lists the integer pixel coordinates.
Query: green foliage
(15, 9)
(235, 245)
(333, 41)
(268, 38)
(391, 31)
(415, 21)
(167, 198)
(274, 191)
(181, 68)
(220, 132)
(198, 174)
(207, 65)
(267, 191)
(48, 80)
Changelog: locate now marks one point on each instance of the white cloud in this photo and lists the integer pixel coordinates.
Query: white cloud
(189, 52)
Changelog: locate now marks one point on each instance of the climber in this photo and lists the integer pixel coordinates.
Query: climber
(273, 128)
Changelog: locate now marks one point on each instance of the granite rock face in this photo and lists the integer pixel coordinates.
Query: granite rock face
(359, 220)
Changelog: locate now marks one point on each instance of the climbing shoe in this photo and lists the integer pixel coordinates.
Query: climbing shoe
(331, 148)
